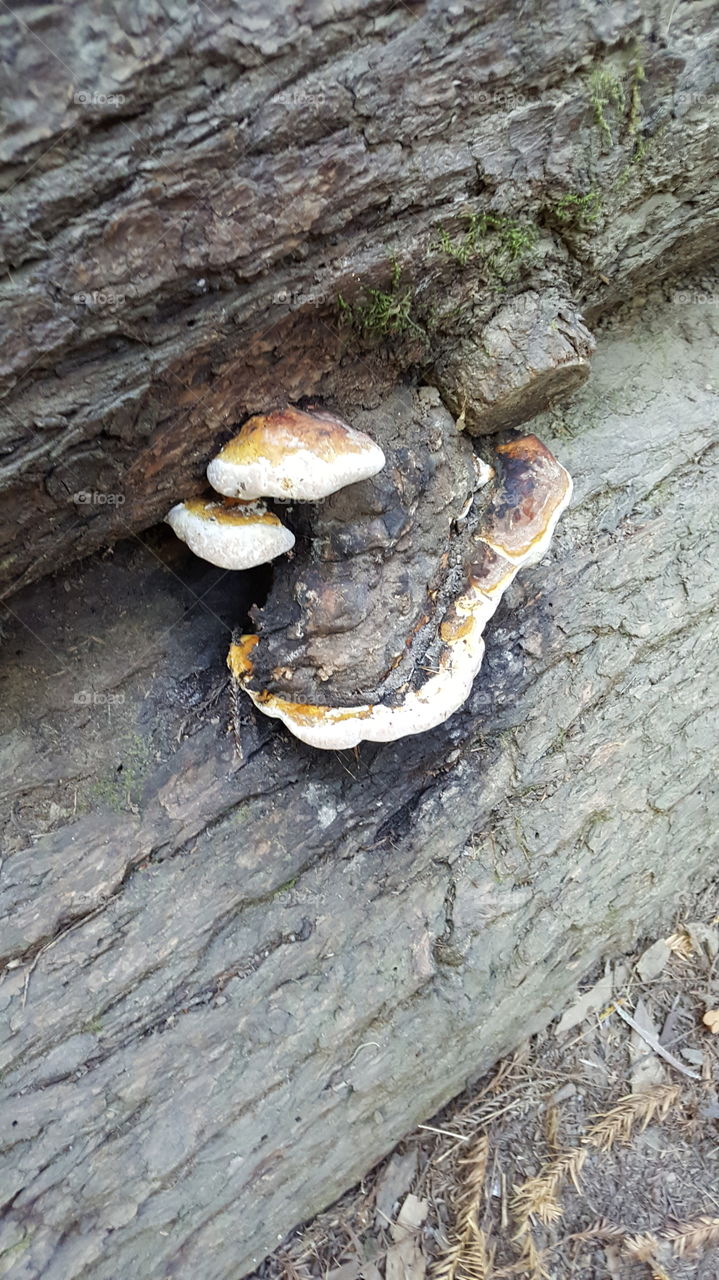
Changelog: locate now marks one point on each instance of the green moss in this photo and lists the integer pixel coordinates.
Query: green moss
(617, 106)
(607, 99)
(240, 814)
(577, 211)
(497, 241)
(462, 247)
(500, 242)
(8, 1257)
(516, 239)
(106, 793)
(641, 149)
(382, 314)
(634, 119)
(120, 790)
(285, 888)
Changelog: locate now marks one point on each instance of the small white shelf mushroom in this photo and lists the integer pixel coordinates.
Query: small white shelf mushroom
(232, 535)
(294, 455)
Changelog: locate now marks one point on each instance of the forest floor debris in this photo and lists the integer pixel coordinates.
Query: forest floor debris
(590, 1153)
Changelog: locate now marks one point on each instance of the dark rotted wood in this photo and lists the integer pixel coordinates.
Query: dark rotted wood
(344, 610)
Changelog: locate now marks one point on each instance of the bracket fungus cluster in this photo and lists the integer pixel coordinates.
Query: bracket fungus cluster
(374, 631)
(290, 455)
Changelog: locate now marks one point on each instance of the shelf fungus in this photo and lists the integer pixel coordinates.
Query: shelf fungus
(375, 631)
(233, 535)
(292, 454)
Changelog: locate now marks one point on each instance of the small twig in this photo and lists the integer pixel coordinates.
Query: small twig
(235, 717)
(447, 1132)
(205, 705)
(649, 1038)
(367, 1044)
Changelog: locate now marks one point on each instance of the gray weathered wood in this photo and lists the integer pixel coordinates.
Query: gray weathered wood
(232, 988)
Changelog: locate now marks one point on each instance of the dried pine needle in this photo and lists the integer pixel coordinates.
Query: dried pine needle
(640, 1108)
(537, 1198)
(690, 1238)
(467, 1255)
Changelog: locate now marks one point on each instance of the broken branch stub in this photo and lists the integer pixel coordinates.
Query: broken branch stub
(534, 352)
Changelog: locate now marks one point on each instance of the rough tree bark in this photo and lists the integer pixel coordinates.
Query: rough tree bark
(188, 190)
(230, 986)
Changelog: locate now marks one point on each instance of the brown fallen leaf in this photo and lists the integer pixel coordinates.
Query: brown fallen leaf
(406, 1259)
(647, 1069)
(395, 1180)
(711, 1020)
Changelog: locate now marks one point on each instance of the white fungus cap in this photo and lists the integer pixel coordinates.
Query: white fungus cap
(294, 455)
(231, 535)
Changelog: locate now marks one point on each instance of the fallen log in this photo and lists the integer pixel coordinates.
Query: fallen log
(231, 985)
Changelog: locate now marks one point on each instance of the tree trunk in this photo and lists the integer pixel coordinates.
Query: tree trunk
(232, 984)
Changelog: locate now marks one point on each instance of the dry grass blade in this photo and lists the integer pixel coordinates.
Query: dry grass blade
(530, 1265)
(551, 1128)
(655, 1045)
(532, 1261)
(536, 1199)
(603, 1231)
(642, 1248)
(634, 1109)
(467, 1255)
(290, 1270)
(690, 1238)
